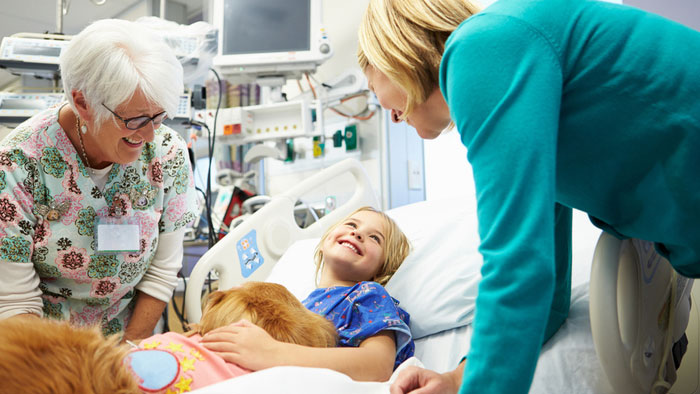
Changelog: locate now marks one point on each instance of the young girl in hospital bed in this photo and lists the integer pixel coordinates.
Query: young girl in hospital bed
(355, 259)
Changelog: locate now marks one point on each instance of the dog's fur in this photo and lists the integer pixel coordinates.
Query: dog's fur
(271, 307)
(45, 356)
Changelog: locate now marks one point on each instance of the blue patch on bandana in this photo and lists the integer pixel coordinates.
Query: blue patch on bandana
(157, 369)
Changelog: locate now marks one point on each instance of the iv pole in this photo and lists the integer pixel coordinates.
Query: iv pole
(60, 9)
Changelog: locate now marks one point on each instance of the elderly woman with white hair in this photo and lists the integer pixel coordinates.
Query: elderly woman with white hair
(95, 193)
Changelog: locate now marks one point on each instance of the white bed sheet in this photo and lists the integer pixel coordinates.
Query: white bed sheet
(567, 364)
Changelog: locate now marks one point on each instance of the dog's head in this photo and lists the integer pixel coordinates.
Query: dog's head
(271, 307)
(47, 356)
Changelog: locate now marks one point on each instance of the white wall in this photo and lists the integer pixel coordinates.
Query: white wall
(447, 171)
(686, 12)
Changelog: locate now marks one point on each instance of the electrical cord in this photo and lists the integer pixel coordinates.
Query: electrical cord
(207, 207)
(212, 142)
(211, 236)
(358, 117)
(207, 199)
(209, 226)
(308, 80)
(166, 325)
(180, 312)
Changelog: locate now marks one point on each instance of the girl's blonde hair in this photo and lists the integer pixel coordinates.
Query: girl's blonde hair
(405, 40)
(394, 250)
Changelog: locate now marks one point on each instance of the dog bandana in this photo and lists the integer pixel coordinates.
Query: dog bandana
(174, 363)
(154, 369)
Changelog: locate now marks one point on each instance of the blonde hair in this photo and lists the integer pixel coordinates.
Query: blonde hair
(395, 248)
(405, 40)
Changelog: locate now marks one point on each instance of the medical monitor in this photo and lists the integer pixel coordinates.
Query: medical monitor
(270, 37)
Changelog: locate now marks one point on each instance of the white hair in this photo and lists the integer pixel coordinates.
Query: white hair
(112, 58)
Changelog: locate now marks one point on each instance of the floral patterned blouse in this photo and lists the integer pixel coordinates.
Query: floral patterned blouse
(49, 207)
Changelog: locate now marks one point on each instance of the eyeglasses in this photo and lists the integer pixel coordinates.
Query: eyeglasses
(140, 121)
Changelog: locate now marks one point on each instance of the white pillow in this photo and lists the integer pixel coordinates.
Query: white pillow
(436, 284)
(295, 269)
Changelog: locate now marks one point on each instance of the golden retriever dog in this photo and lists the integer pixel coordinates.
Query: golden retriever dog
(271, 307)
(41, 356)
(47, 356)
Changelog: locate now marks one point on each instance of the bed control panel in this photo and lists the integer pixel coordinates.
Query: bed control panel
(249, 254)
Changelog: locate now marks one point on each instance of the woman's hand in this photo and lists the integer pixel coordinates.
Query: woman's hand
(245, 344)
(424, 381)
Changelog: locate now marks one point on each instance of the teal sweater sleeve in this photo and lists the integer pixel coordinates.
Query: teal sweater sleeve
(509, 123)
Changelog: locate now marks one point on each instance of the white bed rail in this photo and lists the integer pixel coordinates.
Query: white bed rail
(253, 247)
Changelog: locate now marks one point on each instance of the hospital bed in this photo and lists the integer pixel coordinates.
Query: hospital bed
(437, 285)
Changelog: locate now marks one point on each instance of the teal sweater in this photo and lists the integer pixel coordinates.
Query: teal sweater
(568, 104)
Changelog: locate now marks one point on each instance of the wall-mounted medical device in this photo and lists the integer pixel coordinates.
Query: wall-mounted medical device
(194, 45)
(270, 37)
(17, 107)
(35, 50)
(239, 125)
(184, 106)
(32, 53)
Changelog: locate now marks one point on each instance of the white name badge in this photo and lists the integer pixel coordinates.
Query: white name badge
(114, 238)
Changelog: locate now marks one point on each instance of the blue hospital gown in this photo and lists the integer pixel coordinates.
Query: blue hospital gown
(361, 311)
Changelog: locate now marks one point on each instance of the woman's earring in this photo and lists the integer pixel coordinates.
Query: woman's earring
(83, 129)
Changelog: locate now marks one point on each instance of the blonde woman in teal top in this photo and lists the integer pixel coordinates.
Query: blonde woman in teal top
(561, 104)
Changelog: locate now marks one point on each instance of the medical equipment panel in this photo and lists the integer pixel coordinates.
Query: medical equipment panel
(239, 125)
(17, 107)
(184, 106)
(32, 50)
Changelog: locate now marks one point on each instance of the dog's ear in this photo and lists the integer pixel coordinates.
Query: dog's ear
(214, 298)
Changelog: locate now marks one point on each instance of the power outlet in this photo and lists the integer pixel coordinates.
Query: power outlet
(415, 175)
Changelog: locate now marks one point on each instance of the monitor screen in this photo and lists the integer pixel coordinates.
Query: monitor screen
(261, 26)
(36, 50)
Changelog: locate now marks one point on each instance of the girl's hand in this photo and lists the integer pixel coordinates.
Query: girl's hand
(245, 344)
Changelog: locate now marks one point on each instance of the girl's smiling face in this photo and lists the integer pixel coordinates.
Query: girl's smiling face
(354, 250)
